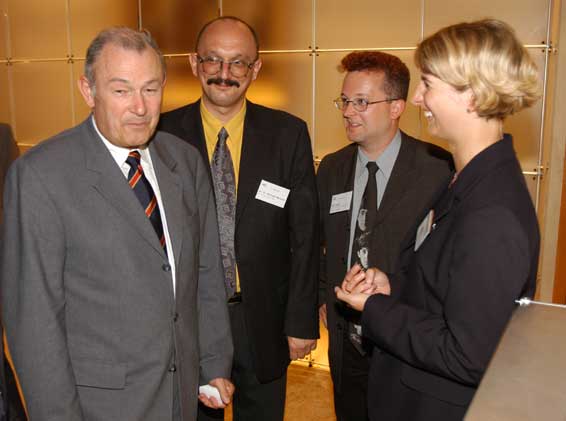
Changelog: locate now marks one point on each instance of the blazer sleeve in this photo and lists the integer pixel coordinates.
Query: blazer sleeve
(301, 317)
(322, 181)
(488, 268)
(215, 337)
(33, 297)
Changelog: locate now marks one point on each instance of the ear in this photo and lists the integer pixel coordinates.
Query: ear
(256, 68)
(86, 91)
(469, 99)
(396, 109)
(193, 61)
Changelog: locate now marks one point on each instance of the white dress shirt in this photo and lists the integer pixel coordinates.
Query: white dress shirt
(120, 155)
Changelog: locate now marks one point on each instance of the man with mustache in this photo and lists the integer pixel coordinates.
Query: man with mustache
(112, 291)
(261, 166)
(365, 220)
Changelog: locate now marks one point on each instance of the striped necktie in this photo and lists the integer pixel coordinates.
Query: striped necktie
(141, 187)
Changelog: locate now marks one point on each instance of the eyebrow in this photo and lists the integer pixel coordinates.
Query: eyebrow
(120, 80)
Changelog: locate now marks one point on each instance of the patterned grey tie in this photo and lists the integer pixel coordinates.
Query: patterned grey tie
(361, 252)
(225, 192)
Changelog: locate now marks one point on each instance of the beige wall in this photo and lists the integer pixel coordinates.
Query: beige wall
(43, 42)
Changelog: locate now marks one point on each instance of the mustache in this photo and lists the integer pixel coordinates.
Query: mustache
(220, 81)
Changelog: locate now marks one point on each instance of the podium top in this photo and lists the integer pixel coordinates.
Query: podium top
(526, 378)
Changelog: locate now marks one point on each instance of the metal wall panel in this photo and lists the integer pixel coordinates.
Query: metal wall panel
(280, 24)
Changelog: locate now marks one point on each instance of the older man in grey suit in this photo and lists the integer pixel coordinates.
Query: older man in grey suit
(113, 313)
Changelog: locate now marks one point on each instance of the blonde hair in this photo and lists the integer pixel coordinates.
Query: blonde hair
(486, 57)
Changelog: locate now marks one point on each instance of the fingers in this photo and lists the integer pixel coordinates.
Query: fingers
(299, 348)
(355, 300)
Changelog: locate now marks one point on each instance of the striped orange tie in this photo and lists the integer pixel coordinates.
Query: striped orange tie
(140, 184)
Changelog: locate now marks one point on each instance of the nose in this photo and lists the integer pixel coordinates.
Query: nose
(138, 105)
(225, 70)
(417, 98)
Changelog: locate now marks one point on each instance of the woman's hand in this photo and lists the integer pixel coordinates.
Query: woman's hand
(358, 285)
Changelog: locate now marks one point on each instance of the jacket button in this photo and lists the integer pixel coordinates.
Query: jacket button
(172, 368)
(343, 260)
(176, 317)
(166, 267)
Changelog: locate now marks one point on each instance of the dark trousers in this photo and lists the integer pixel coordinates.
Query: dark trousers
(350, 402)
(253, 401)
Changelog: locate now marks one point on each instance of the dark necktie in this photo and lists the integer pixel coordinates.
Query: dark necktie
(140, 184)
(361, 252)
(225, 193)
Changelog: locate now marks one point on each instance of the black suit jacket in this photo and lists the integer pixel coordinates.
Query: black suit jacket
(8, 152)
(452, 303)
(276, 249)
(419, 171)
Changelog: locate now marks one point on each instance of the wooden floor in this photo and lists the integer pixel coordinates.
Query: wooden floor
(309, 395)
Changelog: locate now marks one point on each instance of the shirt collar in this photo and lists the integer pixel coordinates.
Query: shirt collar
(119, 153)
(386, 160)
(213, 122)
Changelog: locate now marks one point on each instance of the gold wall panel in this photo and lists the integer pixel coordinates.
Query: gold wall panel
(330, 133)
(367, 24)
(182, 87)
(5, 116)
(42, 100)
(175, 23)
(88, 18)
(285, 82)
(38, 28)
(280, 24)
(527, 17)
(4, 35)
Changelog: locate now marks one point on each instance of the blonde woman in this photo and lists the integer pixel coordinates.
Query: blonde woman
(436, 324)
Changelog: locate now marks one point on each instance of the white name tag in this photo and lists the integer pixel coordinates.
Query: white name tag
(272, 194)
(341, 202)
(424, 229)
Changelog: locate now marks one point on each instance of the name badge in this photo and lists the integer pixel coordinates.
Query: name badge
(272, 194)
(341, 202)
(424, 229)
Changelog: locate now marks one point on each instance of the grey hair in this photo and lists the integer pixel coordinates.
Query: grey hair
(128, 39)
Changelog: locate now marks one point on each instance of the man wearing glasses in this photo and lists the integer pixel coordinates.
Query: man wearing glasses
(265, 190)
(372, 193)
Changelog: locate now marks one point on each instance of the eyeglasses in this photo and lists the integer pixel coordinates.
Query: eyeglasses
(212, 65)
(359, 104)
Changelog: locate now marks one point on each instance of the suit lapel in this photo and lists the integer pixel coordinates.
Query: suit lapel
(254, 153)
(171, 190)
(402, 176)
(348, 175)
(194, 131)
(111, 184)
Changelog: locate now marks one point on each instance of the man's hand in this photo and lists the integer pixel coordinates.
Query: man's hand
(226, 389)
(298, 347)
(322, 314)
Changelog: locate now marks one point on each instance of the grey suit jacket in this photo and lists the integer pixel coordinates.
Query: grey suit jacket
(94, 327)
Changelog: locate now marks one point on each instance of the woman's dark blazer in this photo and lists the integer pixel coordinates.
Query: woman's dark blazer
(437, 332)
